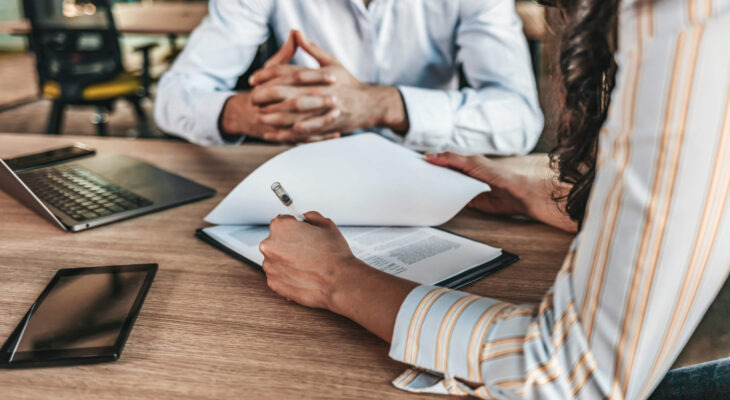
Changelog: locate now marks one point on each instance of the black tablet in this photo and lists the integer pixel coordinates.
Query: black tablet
(83, 316)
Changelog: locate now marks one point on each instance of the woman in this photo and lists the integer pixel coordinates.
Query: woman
(647, 181)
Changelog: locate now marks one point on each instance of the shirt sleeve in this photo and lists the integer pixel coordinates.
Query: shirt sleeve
(190, 96)
(499, 114)
(649, 260)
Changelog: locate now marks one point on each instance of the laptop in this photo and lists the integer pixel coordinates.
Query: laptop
(96, 191)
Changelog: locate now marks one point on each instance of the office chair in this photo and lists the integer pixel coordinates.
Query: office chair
(79, 60)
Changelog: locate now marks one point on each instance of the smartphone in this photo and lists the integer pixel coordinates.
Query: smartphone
(49, 157)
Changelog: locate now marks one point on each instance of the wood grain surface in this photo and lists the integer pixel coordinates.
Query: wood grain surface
(210, 327)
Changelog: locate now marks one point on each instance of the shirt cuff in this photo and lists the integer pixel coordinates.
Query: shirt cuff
(208, 110)
(429, 116)
(442, 331)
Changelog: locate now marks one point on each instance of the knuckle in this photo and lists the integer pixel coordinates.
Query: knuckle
(276, 119)
(286, 136)
(300, 135)
(297, 105)
(256, 93)
(299, 129)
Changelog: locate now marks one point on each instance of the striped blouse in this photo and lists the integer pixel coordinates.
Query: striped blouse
(651, 257)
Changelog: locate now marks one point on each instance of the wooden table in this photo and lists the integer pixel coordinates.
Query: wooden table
(210, 327)
(181, 18)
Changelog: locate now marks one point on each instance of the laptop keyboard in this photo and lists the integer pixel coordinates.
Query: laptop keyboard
(80, 193)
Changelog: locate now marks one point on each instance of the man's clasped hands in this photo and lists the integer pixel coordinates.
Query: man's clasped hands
(292, 103)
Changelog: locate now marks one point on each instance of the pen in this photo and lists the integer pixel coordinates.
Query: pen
(287, 201)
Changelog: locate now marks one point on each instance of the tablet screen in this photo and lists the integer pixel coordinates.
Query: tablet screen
(90, 308)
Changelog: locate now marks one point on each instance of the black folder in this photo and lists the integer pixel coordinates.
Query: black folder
(467, 277)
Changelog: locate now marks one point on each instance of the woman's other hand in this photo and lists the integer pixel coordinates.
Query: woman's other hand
(520, 186)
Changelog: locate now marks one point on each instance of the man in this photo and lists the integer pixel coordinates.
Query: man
(392, 66)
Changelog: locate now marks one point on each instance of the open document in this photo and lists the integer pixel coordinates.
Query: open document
(383, 196)
(360, 180)
(425, 255)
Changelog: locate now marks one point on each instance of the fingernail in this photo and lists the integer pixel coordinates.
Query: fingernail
(336, 112)
(331, 78)
(430, 156)
(251, 80)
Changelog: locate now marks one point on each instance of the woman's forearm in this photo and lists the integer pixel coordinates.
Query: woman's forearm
(370, 297)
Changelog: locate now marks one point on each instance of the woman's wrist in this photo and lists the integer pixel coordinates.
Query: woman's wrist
(370, 297)
(542, 206)
(348, 275)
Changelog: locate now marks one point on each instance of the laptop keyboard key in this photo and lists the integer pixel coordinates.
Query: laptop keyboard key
(80, 193)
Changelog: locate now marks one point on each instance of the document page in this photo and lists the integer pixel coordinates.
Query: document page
(363, 180)
(423, 255)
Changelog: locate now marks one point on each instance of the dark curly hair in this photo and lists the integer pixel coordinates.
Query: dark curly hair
(587, 43)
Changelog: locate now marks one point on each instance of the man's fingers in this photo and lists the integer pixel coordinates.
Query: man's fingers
(301, 104)
(283, 119)
(291, 75)
(320, 138)
(285, 136)
(323, 58)
(267, 73)
(264, 95)
(285, 53)
(320, 124)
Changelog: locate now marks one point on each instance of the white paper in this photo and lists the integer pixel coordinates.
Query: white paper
(424, 255)
(363, 180)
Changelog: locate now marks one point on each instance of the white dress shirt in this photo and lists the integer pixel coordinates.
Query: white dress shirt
(415, 45)
(652, 254)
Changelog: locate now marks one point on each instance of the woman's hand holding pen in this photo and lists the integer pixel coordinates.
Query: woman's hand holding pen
(305, 262)
(312, 264)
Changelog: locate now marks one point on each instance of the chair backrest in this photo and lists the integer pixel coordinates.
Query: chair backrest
(75, 42)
